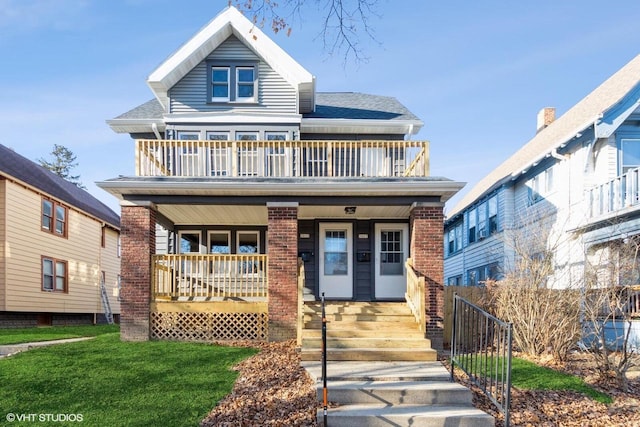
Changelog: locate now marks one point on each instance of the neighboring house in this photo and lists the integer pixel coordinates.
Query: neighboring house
(58, 247)
(577, 179)
(244, 169)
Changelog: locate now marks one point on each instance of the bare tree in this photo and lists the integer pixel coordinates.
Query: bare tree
(62, 163)
(533, 293)
(345, 22)
(612, 299)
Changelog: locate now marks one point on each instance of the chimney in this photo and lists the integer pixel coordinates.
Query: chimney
(546, 116)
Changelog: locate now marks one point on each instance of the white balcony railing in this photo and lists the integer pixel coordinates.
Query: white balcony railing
(614, 195)
(282, 158)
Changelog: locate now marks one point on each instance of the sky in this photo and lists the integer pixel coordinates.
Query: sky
(476, 72)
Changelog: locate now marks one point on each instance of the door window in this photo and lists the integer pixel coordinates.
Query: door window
(335, 254)
(391, 253)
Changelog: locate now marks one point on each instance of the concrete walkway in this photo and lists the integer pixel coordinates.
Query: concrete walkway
(10, 349)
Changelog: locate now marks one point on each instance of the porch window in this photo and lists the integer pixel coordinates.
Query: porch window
(630, 156)
(219, 155)
(54, 218)
(54, 275)
(219, 242)
(247, 154)
(391, 253)
(189, 242)
(336, 253)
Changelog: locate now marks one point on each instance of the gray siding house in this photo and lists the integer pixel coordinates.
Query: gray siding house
(254, 195)
(577, 179)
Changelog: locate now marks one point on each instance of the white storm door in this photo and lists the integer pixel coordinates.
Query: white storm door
(392, 250)
(336, 260)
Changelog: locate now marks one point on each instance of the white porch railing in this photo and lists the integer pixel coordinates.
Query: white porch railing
(614, 195)
(415, 295)
(282, 159)
(209, 276)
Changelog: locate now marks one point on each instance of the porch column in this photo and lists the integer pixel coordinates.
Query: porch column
(282, 244)
(138, 239)
(427, 252)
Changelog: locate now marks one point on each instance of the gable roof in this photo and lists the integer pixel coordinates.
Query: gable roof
(590, 111)
(231, 21)
(16, 167)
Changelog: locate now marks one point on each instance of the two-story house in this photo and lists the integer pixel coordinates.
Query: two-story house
(59, 249)
(265, 193)
(575, 183)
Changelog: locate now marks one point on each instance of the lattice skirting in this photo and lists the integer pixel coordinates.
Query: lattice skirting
(184, 326)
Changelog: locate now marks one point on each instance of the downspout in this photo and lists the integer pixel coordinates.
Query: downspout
(409, 131)
(154, 128)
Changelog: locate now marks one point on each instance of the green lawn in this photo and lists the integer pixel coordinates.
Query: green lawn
(529, 376)
(115, 383)
(17, 336)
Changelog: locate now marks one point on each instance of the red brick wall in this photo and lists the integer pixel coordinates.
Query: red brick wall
(427, 252)
(282, 241)
(138, 237)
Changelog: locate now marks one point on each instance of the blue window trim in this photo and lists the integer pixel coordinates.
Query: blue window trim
(233, 83)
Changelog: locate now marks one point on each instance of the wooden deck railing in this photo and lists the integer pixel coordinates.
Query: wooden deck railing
(282, 159)
(209, 276)
(614, 195)
(415, 295)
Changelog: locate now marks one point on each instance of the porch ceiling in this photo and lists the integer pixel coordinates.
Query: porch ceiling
(257, 215)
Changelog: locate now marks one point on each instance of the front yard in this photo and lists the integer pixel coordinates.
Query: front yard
(106, 382)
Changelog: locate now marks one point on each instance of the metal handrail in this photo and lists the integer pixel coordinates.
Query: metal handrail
(481, 347)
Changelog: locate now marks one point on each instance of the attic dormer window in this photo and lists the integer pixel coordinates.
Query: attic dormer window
(235, 82)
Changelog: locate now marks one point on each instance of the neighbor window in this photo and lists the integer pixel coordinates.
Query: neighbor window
(54, 218)
(54, 275)
(471, 220)
(630, 156)
(233, 82)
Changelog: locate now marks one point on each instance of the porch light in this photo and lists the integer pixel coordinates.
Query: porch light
(350, 210)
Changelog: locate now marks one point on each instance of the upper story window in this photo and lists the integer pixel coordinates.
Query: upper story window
(54, 218)
(237, 82)
(454, 239)
(482, 221)
(630, 154)
(540, 186)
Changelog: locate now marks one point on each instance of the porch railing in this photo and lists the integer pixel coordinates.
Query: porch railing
(282, 158)
(614, 195)
(415, 295)
(209, 276)
(481, 347)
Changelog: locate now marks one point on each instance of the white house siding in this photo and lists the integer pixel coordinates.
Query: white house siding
(26, 243)
(3, 259)
(275, 94)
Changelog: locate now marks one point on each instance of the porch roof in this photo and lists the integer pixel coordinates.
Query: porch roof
(125, 187)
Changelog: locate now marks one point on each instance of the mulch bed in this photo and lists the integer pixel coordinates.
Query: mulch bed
(273, 390)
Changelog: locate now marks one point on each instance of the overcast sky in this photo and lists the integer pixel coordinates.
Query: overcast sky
(476, 72)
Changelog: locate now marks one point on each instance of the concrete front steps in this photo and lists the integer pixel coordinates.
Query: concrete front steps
(394, 393)
(364, 331)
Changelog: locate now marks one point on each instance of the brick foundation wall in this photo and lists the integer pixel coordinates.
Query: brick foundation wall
(282, 241)
(427, 252)
(138, 236)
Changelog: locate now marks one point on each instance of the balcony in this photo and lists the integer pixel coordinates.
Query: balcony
(614, 196)
(282, 159)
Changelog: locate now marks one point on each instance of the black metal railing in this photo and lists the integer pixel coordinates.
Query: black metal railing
(325, 402)
(481, 347)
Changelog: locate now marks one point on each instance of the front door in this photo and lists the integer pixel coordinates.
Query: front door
(336, 260)
(392, 249)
